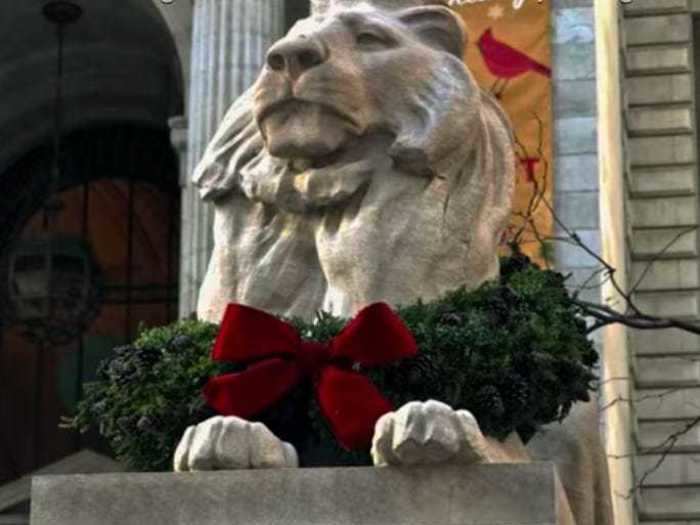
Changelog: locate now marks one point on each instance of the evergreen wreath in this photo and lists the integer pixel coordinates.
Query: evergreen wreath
(514, 352)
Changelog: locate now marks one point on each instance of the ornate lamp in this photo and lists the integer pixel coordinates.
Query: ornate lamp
(53, 288)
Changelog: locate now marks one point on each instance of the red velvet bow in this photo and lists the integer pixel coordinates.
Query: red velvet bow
(279, 360)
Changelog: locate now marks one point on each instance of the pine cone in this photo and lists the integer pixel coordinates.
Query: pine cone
(590, 358)
(571, 371)
(146, 356)
(488, 402)
(515, 263)
(501, 305)
(180, 342)
(452, 318)
(515, 393)
(418, 371)
(145, 424)
(124, 350)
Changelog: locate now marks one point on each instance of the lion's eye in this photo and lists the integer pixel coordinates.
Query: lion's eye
(369, 40)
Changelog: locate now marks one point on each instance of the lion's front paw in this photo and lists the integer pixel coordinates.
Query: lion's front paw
(231, 443)
(427, 433)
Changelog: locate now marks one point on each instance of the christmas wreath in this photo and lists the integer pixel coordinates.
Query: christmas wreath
(514, 352)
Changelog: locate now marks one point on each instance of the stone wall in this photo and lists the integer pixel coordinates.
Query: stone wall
(661, 174)
(575, 134)
(657, 210)
(589, 193)
(229, 42)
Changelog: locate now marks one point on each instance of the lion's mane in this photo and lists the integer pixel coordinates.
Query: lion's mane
(441, 128)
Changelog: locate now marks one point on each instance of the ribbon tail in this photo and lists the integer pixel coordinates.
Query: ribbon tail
(352, 405)
(248, 393)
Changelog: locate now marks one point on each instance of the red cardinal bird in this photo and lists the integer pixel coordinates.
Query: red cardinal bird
(505, 62)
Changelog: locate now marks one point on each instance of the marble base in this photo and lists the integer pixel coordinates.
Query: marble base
(482, 494)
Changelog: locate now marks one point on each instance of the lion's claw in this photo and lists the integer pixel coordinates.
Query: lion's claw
(427, 433)
(231, 443)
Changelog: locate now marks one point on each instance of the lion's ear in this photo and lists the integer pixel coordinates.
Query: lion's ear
(438, 26)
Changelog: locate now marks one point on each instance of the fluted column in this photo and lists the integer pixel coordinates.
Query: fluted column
(229, 41)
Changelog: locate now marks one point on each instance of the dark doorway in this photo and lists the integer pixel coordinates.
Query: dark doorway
(120, 193)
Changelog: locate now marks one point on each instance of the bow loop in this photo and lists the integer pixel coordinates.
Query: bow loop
(375, 337)
(248, 334)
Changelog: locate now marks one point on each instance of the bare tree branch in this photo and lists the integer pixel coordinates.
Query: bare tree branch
(606, 315)
(658, 256)
(628, 314)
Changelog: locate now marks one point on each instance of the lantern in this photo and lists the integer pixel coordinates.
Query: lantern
(52, 280)
(54, 287)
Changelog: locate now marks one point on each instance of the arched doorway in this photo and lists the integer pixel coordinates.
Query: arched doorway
(119, 187)
(120, 193)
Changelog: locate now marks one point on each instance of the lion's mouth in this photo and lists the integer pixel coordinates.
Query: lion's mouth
(293, 105)
(306, 181)
(297, 130)
(299, 165)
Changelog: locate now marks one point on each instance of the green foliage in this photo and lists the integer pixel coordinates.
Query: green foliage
(514, 352)
(149, 392)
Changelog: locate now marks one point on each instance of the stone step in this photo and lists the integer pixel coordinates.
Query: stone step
(653, 436)
(659, 120)
(667, 403)
(668, 372)
(666, 342)
(662, 89)
(653, 7)
(682, 304)
(670, 503)
(661, 29)
(663, 181)
(662, 150)
(664, 212)
(664, 243)
(668, 469)
(655, 60)
(670, 274)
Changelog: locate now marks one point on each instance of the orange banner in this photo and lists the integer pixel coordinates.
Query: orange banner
(509, 53)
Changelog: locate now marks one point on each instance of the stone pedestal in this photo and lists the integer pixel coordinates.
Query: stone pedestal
(229, 42)
(513, 494)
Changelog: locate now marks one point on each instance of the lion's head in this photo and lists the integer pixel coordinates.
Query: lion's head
(353, 86)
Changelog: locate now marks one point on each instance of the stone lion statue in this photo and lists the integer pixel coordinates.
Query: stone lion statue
(366, 165)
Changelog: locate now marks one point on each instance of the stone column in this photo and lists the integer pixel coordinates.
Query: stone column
(229, 41)
(178, 139)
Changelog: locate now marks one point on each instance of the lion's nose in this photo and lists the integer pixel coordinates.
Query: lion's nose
(296, 56)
